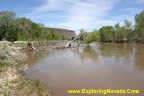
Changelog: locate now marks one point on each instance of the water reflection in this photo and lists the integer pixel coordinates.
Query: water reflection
(101, 65)
(139, 57)
(89, 53)
(116, 50)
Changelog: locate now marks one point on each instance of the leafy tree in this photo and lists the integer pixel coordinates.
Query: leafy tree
(106, 33)
(118, 33)
(139, 26)
(73, 38)
(24, 27)
(35, 31)
(50, 34)
(92, 37)
(83, 34)
(129, 34)
(11, 34)
(7, 20)
(12, 29)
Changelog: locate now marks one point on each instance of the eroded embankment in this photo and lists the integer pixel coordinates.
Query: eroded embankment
(12, 82)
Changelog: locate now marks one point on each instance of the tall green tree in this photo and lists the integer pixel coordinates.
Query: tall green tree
(106, 33)
(7, 20)
(24, 28)
(118, 33)
(82, 34)
(139, 26)
(92, 37)
(35, 31)
(129, 34)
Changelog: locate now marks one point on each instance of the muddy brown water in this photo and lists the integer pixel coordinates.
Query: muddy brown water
(98, 66)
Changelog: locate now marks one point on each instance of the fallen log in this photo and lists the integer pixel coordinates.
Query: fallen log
(69, 43)
(56, 48)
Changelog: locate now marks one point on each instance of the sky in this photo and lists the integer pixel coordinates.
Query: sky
(75, 14)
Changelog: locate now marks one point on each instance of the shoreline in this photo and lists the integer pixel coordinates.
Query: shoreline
(12, 81)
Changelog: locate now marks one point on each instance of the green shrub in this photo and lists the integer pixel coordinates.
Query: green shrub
(92, 37)
(5, 54)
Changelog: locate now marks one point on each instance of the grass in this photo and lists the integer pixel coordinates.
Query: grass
(19, 86)
(3, 67)
(5, 53)
(23, 87)
(19, 44)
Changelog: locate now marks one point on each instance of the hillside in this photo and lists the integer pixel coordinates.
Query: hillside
(65, 32)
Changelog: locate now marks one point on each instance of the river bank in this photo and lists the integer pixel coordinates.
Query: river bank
(12, 81)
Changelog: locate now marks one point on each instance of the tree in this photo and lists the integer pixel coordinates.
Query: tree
(129, 34)
(12, 29)
(139, 26)
(107, 33)
(35, 31)
(7, 20)
(82, 34)
(72, 37)
(118, 33)
(92, 37)
(11, 34)
(24, 28)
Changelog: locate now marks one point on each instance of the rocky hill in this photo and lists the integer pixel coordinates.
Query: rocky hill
(67, 33)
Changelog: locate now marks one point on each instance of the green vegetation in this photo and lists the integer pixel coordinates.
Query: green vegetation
(92, 37)
(83, 34)
(139, 26)
(117, 33)
(6, 54)
(107, 33)
(17, 29)
(89, 37)
(13, 82)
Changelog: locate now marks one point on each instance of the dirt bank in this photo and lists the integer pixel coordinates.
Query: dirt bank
(12, 82)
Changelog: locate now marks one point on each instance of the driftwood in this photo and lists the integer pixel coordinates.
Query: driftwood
(56, 48)
(30, 46)
(69, 43)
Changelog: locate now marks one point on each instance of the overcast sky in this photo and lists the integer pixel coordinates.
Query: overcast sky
(75, 14)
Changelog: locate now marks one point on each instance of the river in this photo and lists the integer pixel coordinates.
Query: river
(98, 66)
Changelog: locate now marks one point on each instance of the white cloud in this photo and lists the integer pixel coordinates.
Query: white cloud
(120, 19)
(134, 10)
(78, 14)
(123, 17)
(141, 1)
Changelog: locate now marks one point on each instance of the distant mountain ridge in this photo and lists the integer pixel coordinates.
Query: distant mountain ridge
(65, 32)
